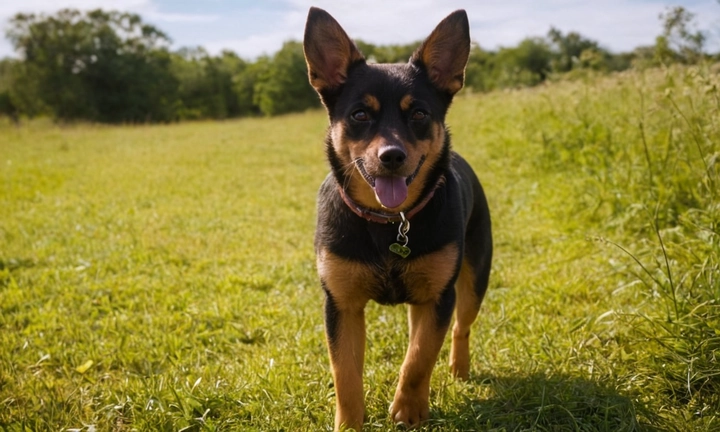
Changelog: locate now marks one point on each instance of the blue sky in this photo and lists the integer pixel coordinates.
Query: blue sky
(253, 28)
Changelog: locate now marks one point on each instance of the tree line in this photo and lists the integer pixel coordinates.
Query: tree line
(112, 67)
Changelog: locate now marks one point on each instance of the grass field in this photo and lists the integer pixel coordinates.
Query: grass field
(162, 277)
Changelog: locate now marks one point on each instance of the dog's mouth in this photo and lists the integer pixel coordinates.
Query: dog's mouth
(390, 191)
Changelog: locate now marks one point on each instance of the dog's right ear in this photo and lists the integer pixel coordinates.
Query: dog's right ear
(445, 52)
(329, 52)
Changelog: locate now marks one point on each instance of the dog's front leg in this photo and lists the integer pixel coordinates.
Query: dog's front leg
(429, 323)
(345, 331)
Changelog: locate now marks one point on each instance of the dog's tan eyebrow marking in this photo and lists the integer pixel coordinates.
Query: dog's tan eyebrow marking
(372, 102)
(406, 102)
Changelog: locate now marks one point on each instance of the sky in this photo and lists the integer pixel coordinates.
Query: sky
(254, 28)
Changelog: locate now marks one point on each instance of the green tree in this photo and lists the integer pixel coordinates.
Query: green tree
(527, 64)
(227, 66)
(206, 83)
(387, 53)
(282, 86)
(101, 66)
(480, 70)
(22, 92)
(188, 66)
(680, 40)
(569, 49)
(244, 85)
(7, 105)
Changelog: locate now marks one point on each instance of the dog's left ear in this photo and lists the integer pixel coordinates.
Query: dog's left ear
(329, 51)
(445, 52)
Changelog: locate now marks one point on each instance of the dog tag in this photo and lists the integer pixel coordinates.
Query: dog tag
(399, 249)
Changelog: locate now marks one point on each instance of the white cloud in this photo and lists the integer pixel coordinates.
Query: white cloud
(145, 8)
(617, 24)
(180, 18)
(10, 8)
(250, 47)
(256, 28)
(6, 48)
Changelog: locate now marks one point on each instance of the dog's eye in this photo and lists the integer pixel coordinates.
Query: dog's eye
(419, 115)
(360, 115)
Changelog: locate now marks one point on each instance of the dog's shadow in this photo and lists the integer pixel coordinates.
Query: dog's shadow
(536, 402)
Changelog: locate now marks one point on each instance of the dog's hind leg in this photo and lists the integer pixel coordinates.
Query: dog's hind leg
(466, 310)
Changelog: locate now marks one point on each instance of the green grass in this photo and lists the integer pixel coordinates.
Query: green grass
(162, 277)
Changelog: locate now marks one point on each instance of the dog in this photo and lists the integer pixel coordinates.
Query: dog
(401, 217)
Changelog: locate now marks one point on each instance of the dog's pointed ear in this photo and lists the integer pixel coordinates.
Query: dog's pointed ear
(445, 52)
(329, 51)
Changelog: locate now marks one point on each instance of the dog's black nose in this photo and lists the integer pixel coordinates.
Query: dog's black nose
(392, 157)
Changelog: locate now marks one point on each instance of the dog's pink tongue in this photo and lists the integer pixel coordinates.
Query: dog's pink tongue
(391, 191)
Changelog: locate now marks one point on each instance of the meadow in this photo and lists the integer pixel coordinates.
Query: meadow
(162, 277)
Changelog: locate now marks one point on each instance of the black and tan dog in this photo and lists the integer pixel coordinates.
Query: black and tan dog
(401, 217)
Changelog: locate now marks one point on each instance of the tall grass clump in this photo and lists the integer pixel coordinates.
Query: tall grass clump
(647, 146)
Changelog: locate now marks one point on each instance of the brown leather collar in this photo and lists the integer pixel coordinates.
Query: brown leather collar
(382, 217)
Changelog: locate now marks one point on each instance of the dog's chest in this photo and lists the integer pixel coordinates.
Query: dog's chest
(414, 279)
(390, 286)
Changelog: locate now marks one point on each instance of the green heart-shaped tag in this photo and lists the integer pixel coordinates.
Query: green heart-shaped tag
(399, 249)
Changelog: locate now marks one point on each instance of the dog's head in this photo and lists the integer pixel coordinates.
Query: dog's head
(387, 141)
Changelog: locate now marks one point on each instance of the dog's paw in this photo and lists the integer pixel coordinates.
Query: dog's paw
(409, 411)
(460, 369)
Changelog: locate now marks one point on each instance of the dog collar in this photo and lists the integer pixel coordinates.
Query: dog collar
(382, 217)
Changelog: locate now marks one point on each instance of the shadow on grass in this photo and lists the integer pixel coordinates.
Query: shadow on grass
(8, 266)
(538, 402)
(12, 264)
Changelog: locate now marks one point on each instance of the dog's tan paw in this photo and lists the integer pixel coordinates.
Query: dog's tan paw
(409, 411)
(460, 368)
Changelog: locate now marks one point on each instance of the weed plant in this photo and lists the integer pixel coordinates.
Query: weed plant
(647, 146)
